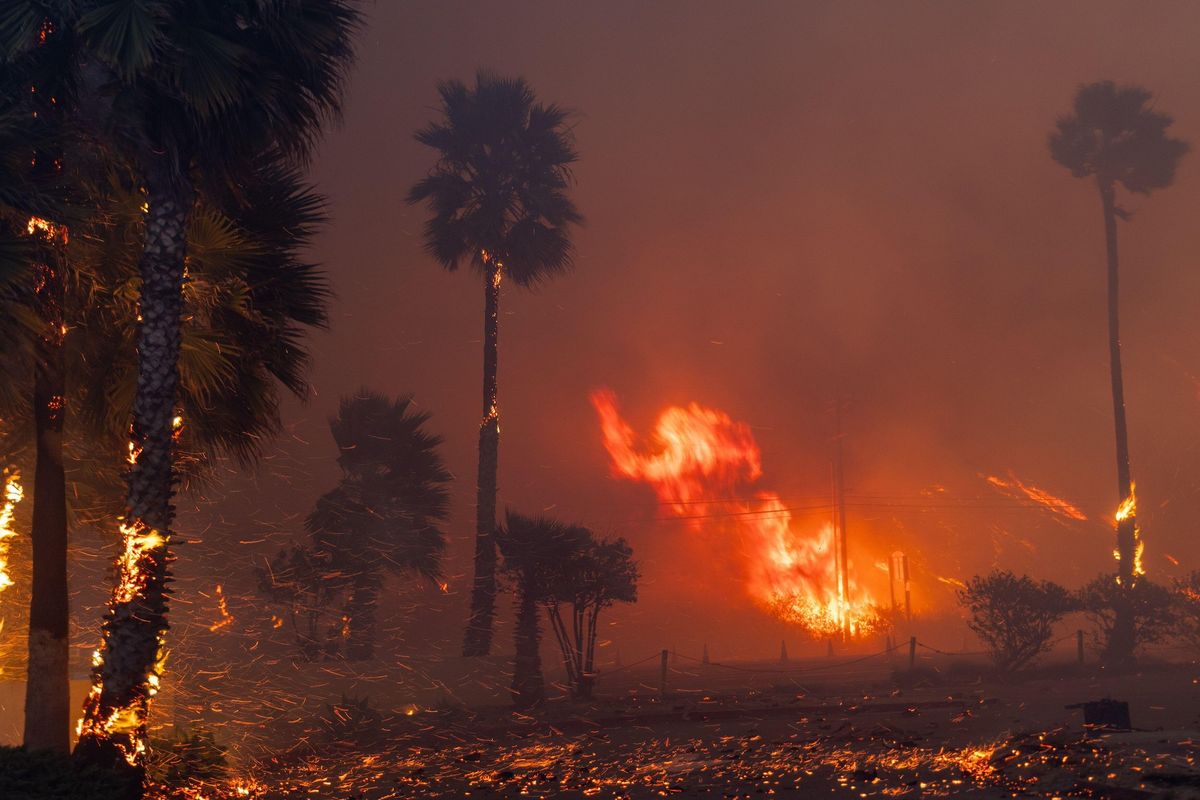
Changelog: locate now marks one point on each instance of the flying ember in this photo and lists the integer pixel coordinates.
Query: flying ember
(696, 459)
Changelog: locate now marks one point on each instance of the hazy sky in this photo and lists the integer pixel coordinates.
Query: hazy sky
(787, 201)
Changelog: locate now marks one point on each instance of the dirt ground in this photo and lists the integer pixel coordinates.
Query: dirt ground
(794, 731)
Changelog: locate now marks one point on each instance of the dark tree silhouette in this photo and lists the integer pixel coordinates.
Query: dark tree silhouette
(385, 512)
(189, 92)
(249, 297)
(1014, 616)
(299, 579)
(601, 574)
(1150, 606)
(498, 194)
(535, 551)
(1114, 136)
(1187, 611)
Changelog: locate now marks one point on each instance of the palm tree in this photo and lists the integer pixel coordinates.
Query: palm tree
(498, 194)
(191, 93)
(1113, 135)
(249, 297)
(535, 551)
(385, 512)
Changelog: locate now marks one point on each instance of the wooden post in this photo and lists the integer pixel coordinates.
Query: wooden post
(662, 680)
(783, 656)
(1079, 645)
(704, 656)
(912, 652)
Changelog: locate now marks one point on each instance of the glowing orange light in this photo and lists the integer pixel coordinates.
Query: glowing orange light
(697, 458)
(13, 493)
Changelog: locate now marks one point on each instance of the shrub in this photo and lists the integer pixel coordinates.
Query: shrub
(1014, 617)
(1187, 611)
(1153, 606)
(188, 758)
(52, 776)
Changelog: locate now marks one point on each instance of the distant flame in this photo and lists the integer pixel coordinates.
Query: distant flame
(1015, 487)
(698, 458)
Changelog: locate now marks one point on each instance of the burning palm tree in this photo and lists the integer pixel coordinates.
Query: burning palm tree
(1113, 135)
(499, 202)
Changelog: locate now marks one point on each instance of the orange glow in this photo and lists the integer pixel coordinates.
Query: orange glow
(1128, 510)
(696, 459)
(13, 493)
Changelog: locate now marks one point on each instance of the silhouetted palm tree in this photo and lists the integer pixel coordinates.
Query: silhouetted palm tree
(249, 297)
(190, 93)
(385, 512)
(536, 551)
(1113, 135)
(498, 194)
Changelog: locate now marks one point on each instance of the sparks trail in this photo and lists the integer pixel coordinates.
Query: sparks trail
(695, 459)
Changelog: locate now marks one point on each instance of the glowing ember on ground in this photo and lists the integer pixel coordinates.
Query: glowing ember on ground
(696, 459)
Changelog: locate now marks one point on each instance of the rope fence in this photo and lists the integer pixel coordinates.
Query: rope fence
(912, 644)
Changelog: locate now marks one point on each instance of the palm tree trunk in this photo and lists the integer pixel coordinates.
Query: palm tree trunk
(564, 644)
(114, 728)
(47, 685)
(528, 687)
(360, 608)
(478, 639)
(1122, 644)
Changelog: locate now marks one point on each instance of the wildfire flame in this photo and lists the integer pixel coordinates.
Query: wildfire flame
(1128, 510)
(1016, 487)
(699, 457)
(13, 493)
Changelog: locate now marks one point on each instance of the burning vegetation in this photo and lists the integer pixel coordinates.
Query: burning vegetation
(329, 637)
(696, 459)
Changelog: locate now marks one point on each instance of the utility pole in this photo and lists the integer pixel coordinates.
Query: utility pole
(843, 561)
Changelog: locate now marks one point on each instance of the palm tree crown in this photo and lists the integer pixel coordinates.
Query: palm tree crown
(1115, 135)
(498, 190)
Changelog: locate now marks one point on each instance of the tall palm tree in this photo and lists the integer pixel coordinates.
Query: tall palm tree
(1114, 136)
(249, 297)
(536, 551)
(385, 512)
(190, 92)
(498, 194)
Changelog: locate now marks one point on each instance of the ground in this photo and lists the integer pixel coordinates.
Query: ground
(806, 730)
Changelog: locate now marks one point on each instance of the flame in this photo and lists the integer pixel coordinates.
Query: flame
(698, 457)
(46, 229)
(1128, 511)
(226, 619)
(955, 582)
(1052, 503)
(13, 494)
(1128, 507)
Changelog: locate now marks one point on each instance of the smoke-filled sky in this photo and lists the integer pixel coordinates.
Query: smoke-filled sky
(786, 202)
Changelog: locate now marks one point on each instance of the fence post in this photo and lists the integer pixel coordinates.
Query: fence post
(1079, 644)
(912, 652)
(662, 679)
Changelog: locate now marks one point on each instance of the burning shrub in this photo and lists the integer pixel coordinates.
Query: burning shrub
(1014, 616)
(352, 723)
(1152, 606)
(188, 758)
(45, 775)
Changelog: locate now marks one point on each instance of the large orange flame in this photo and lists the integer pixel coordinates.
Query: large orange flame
(696, 460)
